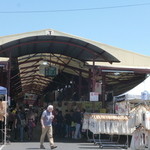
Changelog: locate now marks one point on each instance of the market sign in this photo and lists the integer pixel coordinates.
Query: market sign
(29, 96)
(98, 87)
(120, 98)
(94, 96)
(51, 71)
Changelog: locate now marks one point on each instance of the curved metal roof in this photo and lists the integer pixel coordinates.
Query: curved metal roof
(67, 46)
(68, 53)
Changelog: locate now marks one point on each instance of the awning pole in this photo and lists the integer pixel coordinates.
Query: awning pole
(80, 84)
(103, 89)
(5, 123)
(93, 77)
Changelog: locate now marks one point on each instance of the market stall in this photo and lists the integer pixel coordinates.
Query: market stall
(3, 112)
(140, 119)
(110, 124)
(127, 101)
(136, 104)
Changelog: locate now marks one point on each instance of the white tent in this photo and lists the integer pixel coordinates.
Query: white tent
(140, 93)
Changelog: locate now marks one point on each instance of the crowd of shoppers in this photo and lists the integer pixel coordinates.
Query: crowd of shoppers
(23, 121)
(68, 125)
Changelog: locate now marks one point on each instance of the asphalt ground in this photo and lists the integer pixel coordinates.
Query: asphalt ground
(62, 143)
(61, 146)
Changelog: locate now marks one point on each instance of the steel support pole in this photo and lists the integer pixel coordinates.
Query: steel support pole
(80, 84)
(93, 77)
(103, 89)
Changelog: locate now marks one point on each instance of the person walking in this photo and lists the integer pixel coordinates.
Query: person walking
(20, 122)
(77, 119)
(46, 123)
(30, 123)
(68, 120)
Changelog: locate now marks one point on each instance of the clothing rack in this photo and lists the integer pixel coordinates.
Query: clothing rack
(141, 120)
(110, 124)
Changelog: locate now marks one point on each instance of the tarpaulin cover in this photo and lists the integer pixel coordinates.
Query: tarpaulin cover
(3, 90)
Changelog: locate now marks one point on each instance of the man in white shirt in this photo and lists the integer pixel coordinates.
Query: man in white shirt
(46, 122)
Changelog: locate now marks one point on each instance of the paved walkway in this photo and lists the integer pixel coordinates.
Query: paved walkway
(61, 146)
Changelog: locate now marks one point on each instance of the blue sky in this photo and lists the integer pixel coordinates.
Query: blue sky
(121, 23)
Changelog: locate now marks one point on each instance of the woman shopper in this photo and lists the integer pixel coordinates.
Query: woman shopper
(46, 122)
(30, 123)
